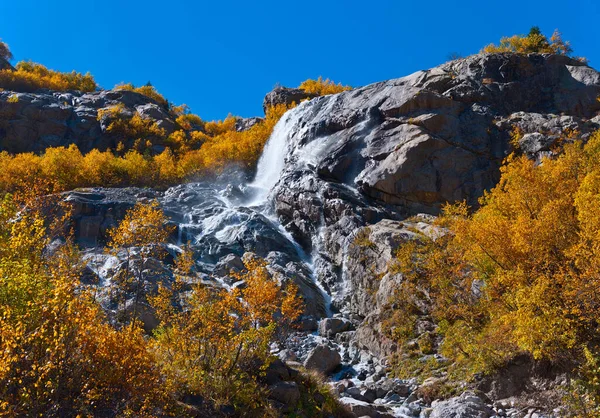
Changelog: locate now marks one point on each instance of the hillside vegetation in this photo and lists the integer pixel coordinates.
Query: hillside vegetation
(196, 148)
(532, 251)
(62, 357)
(517, 275)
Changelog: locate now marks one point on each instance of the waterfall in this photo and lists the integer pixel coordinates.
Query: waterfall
(272, 161)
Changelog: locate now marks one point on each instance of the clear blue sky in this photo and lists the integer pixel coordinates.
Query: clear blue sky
(222, 56)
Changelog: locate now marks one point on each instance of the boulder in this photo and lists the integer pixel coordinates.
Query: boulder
(369, 336)
(287, 393)
(467, 405)
(323, 359)
(360, 408)
(329, 327)
(286, 96)
(243, 124)
(228, 264)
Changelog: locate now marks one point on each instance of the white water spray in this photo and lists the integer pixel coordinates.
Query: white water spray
(272, 161)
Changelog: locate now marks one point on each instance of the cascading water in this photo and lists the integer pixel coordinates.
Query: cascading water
(219, 220)
(272, 161)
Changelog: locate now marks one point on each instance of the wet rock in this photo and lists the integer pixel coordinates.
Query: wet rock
(397, 386)
(356, 393)
(323, 359)
(369, 395)
(228, 264)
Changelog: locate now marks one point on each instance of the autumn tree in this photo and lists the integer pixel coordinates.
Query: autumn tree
(140, 235)
(534, 42)
(519, 275)
(58, 355)
(322, 87)
(218, 344)
(30, 76)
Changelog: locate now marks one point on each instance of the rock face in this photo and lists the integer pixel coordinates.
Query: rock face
(406, 146)
(5, 65)
(438, 135)
(286, 96)
(32, 122)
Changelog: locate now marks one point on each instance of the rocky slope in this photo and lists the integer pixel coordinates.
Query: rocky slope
(335, 188)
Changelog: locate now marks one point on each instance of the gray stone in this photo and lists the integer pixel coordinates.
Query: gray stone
(287, 393)
(467, 405)
(51, 119)
(243, 124)
(360, 408)
(329, 327)
(323, 359)
(355, 393)
(228, 264)
(287, 355)
(369, 394)
(286, 96)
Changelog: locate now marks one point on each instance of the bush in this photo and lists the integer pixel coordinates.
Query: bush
(534, 42)
(148, 90)
(322, 87)
(533, 252)
(219, 346)
(29, 77)
(60, 357)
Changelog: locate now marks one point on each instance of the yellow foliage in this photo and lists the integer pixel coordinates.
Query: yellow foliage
(219, 345)
(130, 128)
(29, 77)
(533, 251)
(534, 42)
(168, 171)
(147, 90)
(188, 120)
(216, 128)
(322, 87)
(59, 357)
